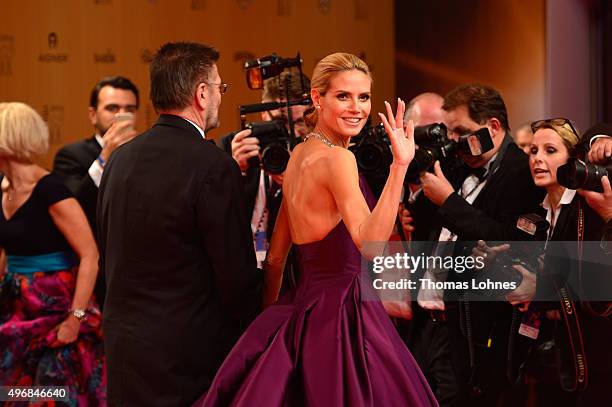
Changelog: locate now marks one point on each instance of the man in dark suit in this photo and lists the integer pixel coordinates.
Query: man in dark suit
(81, 164)
(174, 242)
(497, 188)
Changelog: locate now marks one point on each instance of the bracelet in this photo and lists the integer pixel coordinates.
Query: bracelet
(101, 160)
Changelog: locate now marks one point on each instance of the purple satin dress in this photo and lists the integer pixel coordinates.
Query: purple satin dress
(328, 347)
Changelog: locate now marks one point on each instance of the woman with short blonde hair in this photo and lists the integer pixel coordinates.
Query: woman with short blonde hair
(50, 331)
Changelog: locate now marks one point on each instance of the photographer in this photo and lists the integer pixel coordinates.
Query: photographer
(568, 267)
(496, 188)
(263, 189)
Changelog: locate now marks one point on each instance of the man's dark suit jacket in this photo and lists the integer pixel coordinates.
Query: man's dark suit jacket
(72, 164)
(508, 193)
(178, 255)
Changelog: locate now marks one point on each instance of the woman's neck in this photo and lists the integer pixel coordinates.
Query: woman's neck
(555, 192)
(331, 137)
(21, 175)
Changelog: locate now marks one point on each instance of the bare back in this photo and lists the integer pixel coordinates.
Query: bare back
(311, 209)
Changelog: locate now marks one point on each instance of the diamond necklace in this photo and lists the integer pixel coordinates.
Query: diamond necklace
(322, 138)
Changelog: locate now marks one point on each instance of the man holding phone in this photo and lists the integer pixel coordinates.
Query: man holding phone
(112, 111)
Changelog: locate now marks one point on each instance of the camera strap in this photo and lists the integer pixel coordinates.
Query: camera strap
(574, 377)
(572, 364)
(586, 305)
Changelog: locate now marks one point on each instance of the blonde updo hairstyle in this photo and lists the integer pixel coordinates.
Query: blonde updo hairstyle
(324, 72)
(23, 133)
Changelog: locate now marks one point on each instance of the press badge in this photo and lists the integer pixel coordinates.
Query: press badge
(530, 325)
(261, 246)
(527, 224)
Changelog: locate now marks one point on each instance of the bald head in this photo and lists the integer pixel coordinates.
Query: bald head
(424, 109)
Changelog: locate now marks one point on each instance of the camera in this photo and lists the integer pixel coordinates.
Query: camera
(274, 143)
(526, 253)
(434, 145)
(276, 137)
(577, 174)
(372, 149)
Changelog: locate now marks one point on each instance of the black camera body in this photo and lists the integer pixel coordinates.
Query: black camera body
(577, 174)
(434, 145)
(372, 149)
(527, 253)
(274, 142)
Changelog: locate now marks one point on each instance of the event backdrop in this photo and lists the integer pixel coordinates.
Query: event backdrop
(52, 52)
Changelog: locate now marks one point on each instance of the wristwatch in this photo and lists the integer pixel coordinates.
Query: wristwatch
(79, 314)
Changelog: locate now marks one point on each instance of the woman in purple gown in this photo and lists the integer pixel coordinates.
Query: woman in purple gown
(330, 344)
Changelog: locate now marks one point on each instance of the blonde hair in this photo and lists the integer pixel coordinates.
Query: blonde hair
(324, 72)
(23, 133)
(569, 137)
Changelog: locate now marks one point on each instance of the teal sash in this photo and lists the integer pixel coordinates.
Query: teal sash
(41, 263)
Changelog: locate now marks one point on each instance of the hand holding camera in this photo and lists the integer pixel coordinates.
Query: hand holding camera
(601, 202)
(244, 148)
(435, 186)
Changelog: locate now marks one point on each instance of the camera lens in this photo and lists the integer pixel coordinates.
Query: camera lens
(577, 174)
(369, 157)
(275, 158)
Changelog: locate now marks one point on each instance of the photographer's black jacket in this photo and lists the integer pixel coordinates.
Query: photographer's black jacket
(508, 193)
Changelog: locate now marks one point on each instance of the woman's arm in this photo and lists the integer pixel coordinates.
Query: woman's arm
(71, 221)
(344, 184)
(276, 257)
(2, 263)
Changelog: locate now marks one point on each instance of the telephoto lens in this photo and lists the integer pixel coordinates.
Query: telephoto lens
(577, 174)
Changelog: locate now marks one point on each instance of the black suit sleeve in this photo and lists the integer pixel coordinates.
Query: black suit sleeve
(228, 241)
(513, 199)
(76, 176)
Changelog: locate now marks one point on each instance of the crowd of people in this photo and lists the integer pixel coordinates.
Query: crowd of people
(157, 269)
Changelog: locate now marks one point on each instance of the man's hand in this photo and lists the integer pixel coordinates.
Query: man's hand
(525, 292)
(601, 150)
(244, 147)
(119, 133)
(601, 202)
(398, 309)
(405, 220)
(488, 253)
(435, 186)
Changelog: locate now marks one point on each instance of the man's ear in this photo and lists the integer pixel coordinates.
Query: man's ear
(201, 96)
(91, 113)
(495, 125)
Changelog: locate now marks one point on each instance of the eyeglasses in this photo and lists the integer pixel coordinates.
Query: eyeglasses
(222, 86)
(560, 121)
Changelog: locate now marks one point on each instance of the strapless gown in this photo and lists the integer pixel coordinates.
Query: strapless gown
(324, 344)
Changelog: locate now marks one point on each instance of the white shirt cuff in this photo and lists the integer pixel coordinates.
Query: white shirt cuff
(95, 172)
(595, 138)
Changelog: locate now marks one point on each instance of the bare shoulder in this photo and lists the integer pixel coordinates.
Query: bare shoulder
(338, 161)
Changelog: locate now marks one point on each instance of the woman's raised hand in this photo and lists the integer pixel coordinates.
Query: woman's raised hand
(400, 134)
